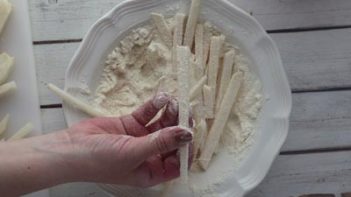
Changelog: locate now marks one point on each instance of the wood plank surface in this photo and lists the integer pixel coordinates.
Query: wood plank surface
(69, 19)
(316, 60)
(320, 120)
(295, 175)
(52, 61)
(52, 120)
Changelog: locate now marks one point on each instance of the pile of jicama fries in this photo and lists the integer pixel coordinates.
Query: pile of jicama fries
(6, 67)
(207, 83)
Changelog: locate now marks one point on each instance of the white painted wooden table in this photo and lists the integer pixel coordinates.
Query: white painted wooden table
(314, 38)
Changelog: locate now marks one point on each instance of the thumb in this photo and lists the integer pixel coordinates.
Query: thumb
(162, 141)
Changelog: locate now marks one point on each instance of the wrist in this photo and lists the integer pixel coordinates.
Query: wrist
(35, 163)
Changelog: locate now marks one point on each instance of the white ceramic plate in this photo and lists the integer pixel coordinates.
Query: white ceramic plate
(22, 105)
(240, 28)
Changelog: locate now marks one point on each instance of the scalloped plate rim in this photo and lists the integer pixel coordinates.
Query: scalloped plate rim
(251, 181)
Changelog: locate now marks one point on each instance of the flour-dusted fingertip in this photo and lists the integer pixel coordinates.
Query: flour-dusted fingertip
(161, 99)
(183, 136)
(173, 107)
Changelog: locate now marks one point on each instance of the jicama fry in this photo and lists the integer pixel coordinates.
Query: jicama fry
(225, 76)
(191, 23)
(206, 45)
(213, 66)
(6, 67)
(196, 90)
(183, 59)
(77, 103)
(200, 137)
(208, 102)
(178, 30)
(199, 49)
(163, 28)
(7, 88)
(22, 133)
(177, 37)
(5, 10)
(220, 120)
(4, 123)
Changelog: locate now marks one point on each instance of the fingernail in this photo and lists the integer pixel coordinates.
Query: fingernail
(184, 136)
(160, 100)
(173, 107)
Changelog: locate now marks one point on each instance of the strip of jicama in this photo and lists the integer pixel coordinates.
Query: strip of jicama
(213, 66)
(179, 29)
(177, 37)
(208, 102)
(199, 49)
(192, 22)
(206, 45)
(200, 136)
(226, 75)
(4, 123)
(183, 59)
(22, 133)
(6, 67)
(163, 28)
(196, 90)
(221, 119)
(7, 88)
(77, 103)
(5, 10)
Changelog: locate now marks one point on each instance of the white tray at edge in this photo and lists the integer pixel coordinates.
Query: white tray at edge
(23, 105)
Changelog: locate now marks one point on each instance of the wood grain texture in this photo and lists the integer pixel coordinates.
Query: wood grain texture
(320, 120)
(296, 175)
(69, 19)
(316, 60)
(52, 61)
(52, 120)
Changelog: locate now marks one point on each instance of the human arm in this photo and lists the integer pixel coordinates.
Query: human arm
(122, 150)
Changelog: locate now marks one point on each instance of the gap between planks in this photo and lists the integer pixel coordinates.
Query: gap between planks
(274, 31)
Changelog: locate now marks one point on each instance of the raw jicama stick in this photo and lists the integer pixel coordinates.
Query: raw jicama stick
(213, 66)
(196, 90)
(178, 30)
(5, 10)
(199, 49)
(7, 88)
(206, 45)
(200, 137)
(22, 133)
(225, 76)
(177, 37)
(220, 120)
(191, 23)
(183, 59)
(208, 102)
(6, 67)
(3, 124)
(163, 28)
(77, 103)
